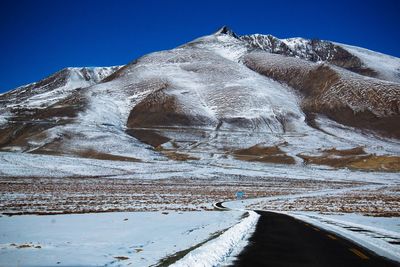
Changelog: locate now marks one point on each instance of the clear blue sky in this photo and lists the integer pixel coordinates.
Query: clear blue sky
(41, 37)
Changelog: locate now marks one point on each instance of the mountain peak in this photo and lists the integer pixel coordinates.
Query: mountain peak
(226, 30)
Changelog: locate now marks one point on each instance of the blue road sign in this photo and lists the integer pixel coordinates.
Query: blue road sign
(239, 194)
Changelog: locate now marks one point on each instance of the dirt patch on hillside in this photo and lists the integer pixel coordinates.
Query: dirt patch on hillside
(148, 136)
(161, 109)
(19, 134)
(31, 124)
(346, 152)
(105, 156)
(173, 155)
(271, 154)
(388, 126)
(377, 163)
(355, 158)
(179, 156)
(56, 147)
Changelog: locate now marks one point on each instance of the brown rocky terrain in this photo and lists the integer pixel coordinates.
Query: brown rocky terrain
(355, 158)
(343, 96)
(311, 50)
(264, 154)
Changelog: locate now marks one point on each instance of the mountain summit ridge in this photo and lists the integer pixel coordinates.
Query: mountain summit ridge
(227, 30)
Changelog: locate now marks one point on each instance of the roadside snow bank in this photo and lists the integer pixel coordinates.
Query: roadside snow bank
(216, 251)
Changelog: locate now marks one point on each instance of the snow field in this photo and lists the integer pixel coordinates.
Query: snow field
(112, 239)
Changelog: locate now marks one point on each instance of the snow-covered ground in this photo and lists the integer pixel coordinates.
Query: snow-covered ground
(388, 67)
(145, 238)
(120, 239)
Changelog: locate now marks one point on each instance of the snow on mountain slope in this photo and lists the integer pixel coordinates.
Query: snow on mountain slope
(227, 45)
(212, 91)
(342, 95)
(184, 86)
(388, 67)
(29, 111)
(313, 50)
(267, 43)
(55, 87)
(206, 98)
(101, 126)
(356, 59)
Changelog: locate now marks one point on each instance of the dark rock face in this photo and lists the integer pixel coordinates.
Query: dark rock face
(267, 43)
(310, 50)
(226, 30)
(54, 81)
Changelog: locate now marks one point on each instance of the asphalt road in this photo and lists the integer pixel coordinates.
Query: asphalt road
(281, 240)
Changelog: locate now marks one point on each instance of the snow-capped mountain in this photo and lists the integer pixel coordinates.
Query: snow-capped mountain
(213, 95)
(55, 87)
(355, 59)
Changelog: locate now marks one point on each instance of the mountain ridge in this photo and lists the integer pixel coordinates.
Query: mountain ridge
(220, 83)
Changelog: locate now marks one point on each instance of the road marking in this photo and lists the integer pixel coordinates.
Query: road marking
(331, 237)
(359, 254)
(316, 229)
